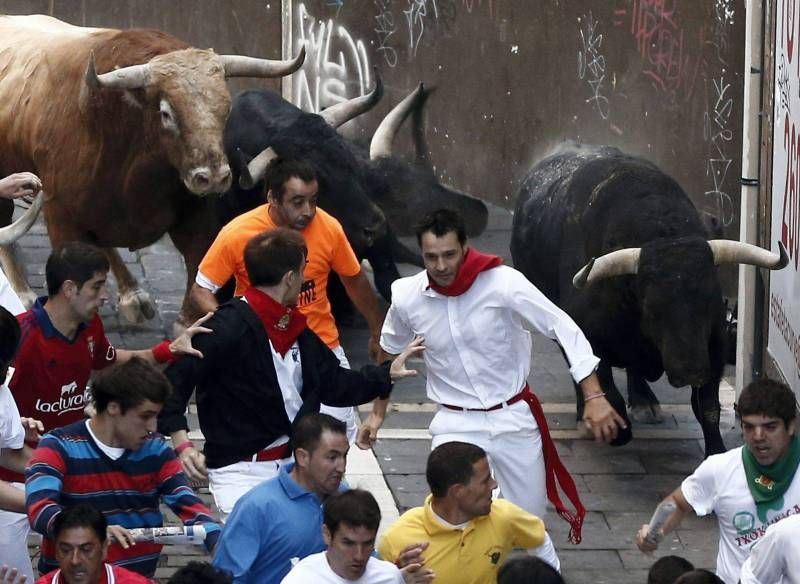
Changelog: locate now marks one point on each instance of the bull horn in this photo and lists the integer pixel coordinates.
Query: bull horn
(341, 113)
(735, 252)
(20, 227)
(133, 77)
(381, 145)
(240, 66)
(252, 173)
(617, 263)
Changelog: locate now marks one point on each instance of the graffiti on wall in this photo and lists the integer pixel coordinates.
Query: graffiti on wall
(385, 27)
(592, 64)
(662, 42)
(717, 127)
(336, 67)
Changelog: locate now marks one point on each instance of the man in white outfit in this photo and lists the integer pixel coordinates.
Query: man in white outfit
(470, 310)
(776, 558)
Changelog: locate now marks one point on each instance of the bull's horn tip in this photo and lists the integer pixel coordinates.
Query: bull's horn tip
(784, 261)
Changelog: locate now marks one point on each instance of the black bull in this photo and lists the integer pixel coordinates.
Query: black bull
(654, 305)
(374, 195)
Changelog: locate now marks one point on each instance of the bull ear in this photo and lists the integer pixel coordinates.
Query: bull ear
(341, 113)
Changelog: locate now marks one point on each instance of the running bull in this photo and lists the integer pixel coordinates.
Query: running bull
(373, 194)
(125, 129)
(619, 246)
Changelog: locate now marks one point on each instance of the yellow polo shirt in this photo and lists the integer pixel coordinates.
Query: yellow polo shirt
(468, 556)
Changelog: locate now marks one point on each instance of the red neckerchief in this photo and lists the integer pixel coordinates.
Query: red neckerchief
(474, 263)
(555, 470)
(283, 324)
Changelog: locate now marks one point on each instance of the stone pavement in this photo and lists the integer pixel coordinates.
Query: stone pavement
(620, 487)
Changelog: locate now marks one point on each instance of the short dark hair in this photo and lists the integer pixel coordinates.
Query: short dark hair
(525, 569)
(9, 338)
(201, 573)
(269, 255)
(129, 384)
(451, 464)
(308, 429)
(667, 569)
(81, 515)
(699, 577)
(356, 508)
(280, 170)
(440, 223)
(767, 397)
(76, 261)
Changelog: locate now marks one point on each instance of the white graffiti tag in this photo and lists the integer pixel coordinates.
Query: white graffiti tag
(334, 62)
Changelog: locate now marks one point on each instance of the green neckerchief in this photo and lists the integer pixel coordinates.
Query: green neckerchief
(768, 483)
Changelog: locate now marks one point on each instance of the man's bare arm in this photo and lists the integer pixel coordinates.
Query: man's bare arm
(363, 296)
(203, 299)
(368, 432)
(598, 414)
(682, 508)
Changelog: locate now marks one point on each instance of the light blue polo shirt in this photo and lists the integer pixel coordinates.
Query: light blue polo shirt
(270, 525)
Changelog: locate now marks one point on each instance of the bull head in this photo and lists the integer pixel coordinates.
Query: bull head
(187, 90)
(626, 261)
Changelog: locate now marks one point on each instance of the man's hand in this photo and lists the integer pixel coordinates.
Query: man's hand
(9, 575)
(33, 429)
(121, 535)
(374, 347)
(398, 369)
(417, 574)
(643, 545)
(194, 466)
(20, 184)
(411, 555)
(368, 432)
(183, 344)
(602, 420)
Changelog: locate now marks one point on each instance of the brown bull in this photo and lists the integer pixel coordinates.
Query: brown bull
(125, 155)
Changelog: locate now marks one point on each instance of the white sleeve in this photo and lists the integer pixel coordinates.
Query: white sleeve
(12, 434)
(396, 333)
(700, 488)
(8, 298)
(528, 301)
(768, 559)
(204, 282)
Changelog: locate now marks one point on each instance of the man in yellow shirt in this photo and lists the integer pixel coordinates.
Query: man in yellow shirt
(463, 535)
(292, 192)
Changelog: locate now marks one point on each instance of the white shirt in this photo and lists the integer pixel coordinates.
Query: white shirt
(719, 484)
(478, 353)
(8, 298)
(775, 559)
(12, 434)
(315, 568)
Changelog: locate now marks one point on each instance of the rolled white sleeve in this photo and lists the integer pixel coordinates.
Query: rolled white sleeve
(396, 333)
(532, 305)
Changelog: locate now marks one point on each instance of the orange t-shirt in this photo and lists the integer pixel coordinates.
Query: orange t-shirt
(328, 249)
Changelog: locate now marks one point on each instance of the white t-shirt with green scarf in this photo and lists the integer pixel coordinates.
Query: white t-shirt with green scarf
(719, 485)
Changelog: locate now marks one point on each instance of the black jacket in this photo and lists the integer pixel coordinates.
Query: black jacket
(239, 401)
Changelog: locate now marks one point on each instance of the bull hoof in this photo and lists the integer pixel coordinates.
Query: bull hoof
(135, 305)
(647, 414)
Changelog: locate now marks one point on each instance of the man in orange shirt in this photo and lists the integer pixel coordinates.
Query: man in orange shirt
(292, 192)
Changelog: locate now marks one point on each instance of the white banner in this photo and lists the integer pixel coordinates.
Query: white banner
(784, 302)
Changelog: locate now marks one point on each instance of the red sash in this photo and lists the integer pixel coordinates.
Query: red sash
(555, 470)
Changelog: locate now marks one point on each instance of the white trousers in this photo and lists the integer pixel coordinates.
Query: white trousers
(229, 483)
(14, 529)
(346, 414)
(513, 445)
